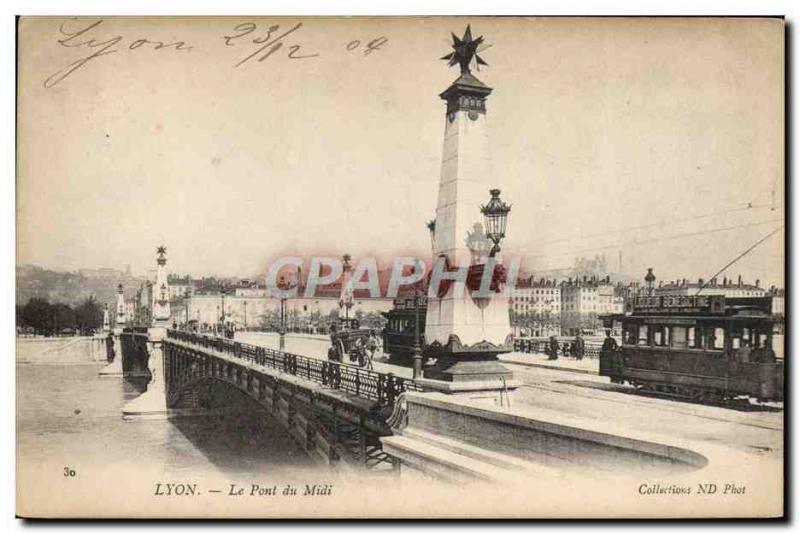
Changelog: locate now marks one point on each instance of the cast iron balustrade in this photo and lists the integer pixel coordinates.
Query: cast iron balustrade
(379, 387)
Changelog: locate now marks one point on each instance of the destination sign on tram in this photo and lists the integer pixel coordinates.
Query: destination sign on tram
(678, 304)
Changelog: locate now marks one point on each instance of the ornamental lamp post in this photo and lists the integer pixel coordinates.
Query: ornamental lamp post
(417, 354)
(221, 316)
(186, 303)
(495, 216)
(284, 285)
(346, 298)
(649, 279)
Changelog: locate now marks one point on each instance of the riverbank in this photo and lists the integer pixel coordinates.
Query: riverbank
(61, 350)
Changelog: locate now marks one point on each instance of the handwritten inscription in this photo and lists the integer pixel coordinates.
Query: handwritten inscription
(260, 42)
(82, 37)
(272, 38)
(268, 43)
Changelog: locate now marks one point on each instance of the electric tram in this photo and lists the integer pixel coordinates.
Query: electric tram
(707, 348)
(399, 332)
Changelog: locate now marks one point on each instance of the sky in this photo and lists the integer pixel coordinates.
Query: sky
(648, 138)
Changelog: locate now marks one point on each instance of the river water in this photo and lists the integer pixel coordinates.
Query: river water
(68, 416)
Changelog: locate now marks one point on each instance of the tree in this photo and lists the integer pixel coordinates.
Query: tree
(89, 315)
(62, 316)
(37, 315)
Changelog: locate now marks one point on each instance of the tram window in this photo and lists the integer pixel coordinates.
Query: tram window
(660, 336)
(690, 338)
(747, 337)
(628, 335)
(719, 338)
(678, 338)
(736, 343)
(642, 336)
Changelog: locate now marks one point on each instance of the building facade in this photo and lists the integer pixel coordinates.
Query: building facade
(536, 308)
(585, 301)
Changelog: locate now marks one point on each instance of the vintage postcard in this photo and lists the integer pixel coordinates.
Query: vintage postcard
(431, 267)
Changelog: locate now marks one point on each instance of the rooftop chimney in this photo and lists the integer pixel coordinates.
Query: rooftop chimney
(739, 283)
(758, 282)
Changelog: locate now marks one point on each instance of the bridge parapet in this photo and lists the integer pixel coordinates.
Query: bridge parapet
(336, 412)
(384, 389)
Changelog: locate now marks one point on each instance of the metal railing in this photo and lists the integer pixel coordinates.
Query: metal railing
(542, 346)
(379, 387)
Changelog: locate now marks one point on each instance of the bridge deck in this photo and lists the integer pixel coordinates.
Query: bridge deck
(339, 380)
(337, 394)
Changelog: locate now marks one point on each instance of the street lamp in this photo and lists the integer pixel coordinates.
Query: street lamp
(649, 279)
(245, 314)
(284, 285)
(417, 355)
(495, 216)
(346, 299)
(186, 303)
(222, 297)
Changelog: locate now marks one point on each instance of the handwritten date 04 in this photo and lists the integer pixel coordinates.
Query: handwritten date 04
(273, 38)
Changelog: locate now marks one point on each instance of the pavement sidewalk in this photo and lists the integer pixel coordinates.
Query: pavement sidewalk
(587, 366)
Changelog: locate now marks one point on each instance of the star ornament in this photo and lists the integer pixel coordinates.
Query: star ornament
(161, 250)
(464, 50)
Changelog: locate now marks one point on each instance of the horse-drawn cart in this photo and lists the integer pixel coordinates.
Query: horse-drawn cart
(359, 344)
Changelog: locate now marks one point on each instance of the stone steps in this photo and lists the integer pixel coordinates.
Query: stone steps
(454, 461)
(502, 461)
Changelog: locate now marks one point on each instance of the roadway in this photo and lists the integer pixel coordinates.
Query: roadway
(751, 428)
(574, 391)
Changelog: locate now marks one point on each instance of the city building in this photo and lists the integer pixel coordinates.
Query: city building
(179, 286)
(584, 301)
(262, 312)
(727, 288)
(536, 308)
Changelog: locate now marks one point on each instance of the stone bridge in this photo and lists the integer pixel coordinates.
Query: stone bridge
(352, 418)
(337, 413)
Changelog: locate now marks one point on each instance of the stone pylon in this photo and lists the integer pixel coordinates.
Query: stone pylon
(161, 311)
(465, 334)
(120, 317)
(115, 367)
(152, 404)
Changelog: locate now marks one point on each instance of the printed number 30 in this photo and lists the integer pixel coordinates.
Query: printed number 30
(69, 472)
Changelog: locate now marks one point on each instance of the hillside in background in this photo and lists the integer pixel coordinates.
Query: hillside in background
(73, 287)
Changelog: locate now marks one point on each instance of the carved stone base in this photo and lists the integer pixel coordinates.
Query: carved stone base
(114, 367)
(468, 368)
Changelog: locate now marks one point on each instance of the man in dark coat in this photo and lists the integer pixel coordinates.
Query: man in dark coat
(553, 348)
(580, 347)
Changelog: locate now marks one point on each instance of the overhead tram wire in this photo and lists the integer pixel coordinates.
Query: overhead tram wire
(749, 206)
(658, 239)
(740, 256)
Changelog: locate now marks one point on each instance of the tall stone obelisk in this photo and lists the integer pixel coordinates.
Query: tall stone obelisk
(465, 334)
